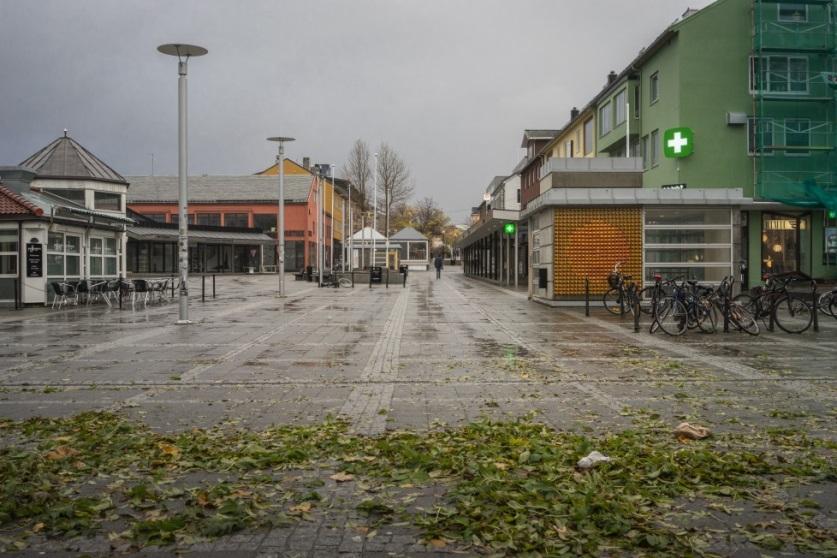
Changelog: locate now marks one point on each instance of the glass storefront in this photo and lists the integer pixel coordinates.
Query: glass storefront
(785, 243)
(688, 243)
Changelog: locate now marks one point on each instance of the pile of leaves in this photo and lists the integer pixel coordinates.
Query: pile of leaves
(509, 487)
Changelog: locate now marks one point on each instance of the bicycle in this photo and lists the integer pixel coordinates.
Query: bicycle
(714, 305)
(774, 303)
(337, 282)
(623, 294)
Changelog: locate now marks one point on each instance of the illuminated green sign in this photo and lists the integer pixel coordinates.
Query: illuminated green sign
(509, 228)
(832, 214)
(678, 143)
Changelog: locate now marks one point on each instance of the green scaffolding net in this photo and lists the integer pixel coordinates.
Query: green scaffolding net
(793, 76)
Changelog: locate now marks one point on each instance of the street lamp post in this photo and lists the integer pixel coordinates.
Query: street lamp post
(183, 53)
(280, 217)
(375, 211)
(331, 235)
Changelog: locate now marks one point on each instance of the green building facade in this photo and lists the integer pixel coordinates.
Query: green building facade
(751, 79)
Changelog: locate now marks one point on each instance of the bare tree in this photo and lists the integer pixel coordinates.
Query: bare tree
(393, 181)
(358, 171)
(429, 218)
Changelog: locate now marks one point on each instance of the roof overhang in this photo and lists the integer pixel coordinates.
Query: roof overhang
(604, 197)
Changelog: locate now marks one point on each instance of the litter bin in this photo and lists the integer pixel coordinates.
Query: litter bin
(376, 274)
(402, 268)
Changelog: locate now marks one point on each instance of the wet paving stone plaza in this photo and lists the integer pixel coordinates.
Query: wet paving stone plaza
(354, 375)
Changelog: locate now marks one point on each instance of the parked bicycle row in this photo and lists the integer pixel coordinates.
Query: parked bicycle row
(111, 292)
(789, 301)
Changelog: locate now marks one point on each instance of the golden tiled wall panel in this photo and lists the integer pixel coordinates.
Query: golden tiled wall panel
(589, 241)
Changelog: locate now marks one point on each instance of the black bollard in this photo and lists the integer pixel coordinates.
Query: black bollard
(404, 284)
(772, 314)
(387, 277)
(636, 312)
(119, 291)
(370, 277)
(586, 296)
(726, 312)
(213, 285)
(203, 288)
(172, 286)
(17, 294)
(353, 278)
(815, 305)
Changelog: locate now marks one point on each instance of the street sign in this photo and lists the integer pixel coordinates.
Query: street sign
(678, 143)
(34, 259)
(509, 228)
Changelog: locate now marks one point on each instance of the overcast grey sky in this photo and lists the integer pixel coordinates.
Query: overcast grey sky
(451, 84)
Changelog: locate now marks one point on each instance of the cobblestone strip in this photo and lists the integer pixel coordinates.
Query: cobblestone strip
(367, 404)
(576, 380)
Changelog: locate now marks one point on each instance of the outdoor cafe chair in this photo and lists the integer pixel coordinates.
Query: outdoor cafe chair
(139, 291)
(64, 293)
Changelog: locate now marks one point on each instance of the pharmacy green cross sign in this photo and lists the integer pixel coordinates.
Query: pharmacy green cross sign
(678, 142)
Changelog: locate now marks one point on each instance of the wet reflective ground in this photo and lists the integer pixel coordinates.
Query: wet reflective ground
(445, 351)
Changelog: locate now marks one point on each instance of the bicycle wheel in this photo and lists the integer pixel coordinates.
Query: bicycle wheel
(646, 295)
(343, 282)
(672, 317)
(826, 303)
(707, 316)
(793, 314)
(614, 302)
(743, 319)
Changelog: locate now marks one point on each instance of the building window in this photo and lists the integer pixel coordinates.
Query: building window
(694, 243)
(156, 217)
(213, 219)
(235, 220)
(568, 149)
(8, 263)
(637, 98)
(779, 74)
(175, 218)
(107, 201)
(796, 13)
(588, 136)
(654, 87)
(644, 152)
(265, 221)
(75, 196)
(621, 108)
(605, 119)
(759, 136)
(797, 135)
(655, 148)
(63, 256)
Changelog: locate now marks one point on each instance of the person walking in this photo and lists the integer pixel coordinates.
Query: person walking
(438, 264)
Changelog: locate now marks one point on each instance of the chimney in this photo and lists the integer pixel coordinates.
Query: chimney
(611, 77)
(574, 113)
(17, 179)
(306, 163)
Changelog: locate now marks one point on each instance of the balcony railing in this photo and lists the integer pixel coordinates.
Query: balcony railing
(591, 165)
(789, 36)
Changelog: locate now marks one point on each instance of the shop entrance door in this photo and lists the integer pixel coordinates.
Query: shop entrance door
(785, 243)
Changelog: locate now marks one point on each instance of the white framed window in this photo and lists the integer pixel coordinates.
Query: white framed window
(621, 109)
(605, 118)
(760, 136)
(779, 74)
(63, 256)
(690, 242)
(9, 254)
(654, 87)
(788, 12)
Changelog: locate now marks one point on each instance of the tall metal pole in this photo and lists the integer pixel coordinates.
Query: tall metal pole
(345, 239)
(331, 236)
(183, 52)
(280, 220)
(351, 229)
(375, 211)
(280, 215)
(321, 232)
